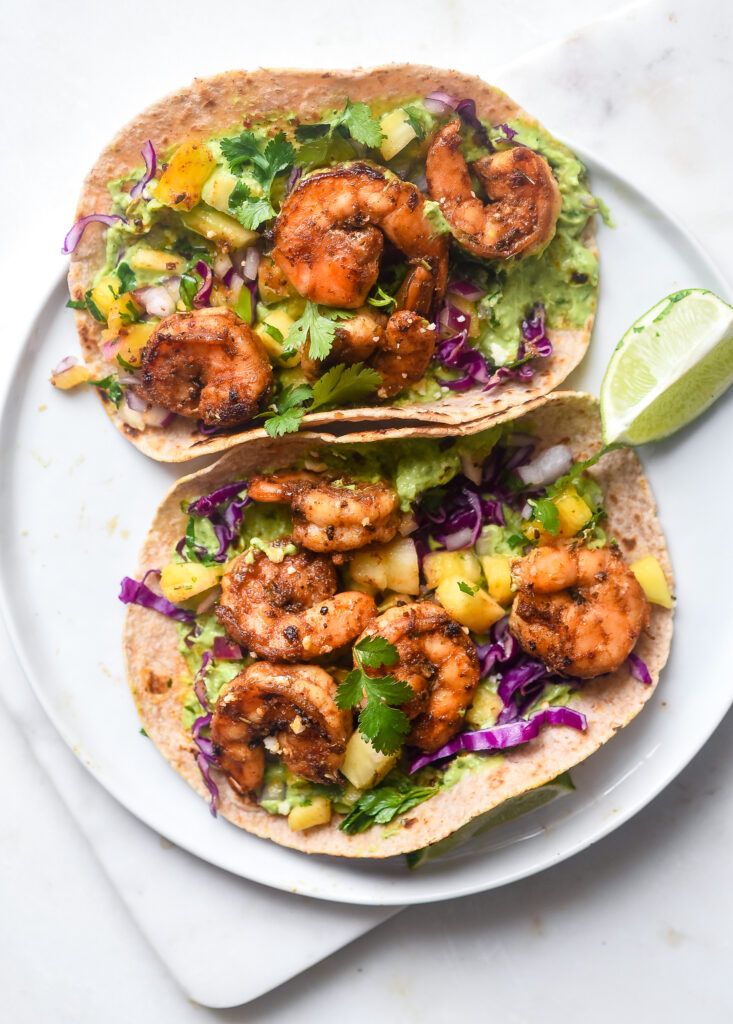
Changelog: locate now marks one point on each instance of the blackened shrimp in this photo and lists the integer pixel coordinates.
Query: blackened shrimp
(289, 610)
(523, 205)
(278, 488)
(438, 660)
(329, 234)
(580, 610)
(209, 365)
(287, 709)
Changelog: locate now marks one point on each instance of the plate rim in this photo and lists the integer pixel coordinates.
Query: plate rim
(443, 889)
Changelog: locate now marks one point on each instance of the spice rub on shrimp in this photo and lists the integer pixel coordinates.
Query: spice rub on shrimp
(523, 205)
(207, 364)
(287, 709)
(438, 660)
(290, 610)
(580, 610)
(329, 234)
(333, 515)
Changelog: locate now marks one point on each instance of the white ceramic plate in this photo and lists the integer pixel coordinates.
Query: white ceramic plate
(76, 500)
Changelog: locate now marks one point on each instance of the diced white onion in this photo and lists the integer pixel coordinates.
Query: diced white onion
(547, 467)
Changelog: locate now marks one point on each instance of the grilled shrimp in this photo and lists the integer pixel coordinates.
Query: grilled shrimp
(578, 609)
(207, 364)
(438, 660)
(273, 285)
(399, 348)
(278, 488)
(523, 198)
(289, 610)
(288, 709)
(329, 234)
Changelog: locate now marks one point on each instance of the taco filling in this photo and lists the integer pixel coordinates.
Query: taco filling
(365, 626)
(392, 252)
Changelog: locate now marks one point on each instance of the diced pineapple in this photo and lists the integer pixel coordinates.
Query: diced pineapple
(364, 766)
(535, 532)
(397, 132)
(218, 227)
(181, 182)
(133, 340)
(317, 812)
(476, 610)
(122, 312)
(181, 580)
(281, 320)
(447, 565)
(497, 570)
(484, 709)
(71, 377)
(573, 511)
(392, 566)
(104, 293)
(217, 189)
(653, 582)
(156, 260)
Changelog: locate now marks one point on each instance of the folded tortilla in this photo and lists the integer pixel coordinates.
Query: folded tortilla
(219, 104)
(158, 675)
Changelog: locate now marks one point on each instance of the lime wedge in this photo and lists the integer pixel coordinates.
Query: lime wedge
(668, 367)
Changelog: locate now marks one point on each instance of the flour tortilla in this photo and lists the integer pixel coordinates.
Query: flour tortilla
(157, 672)
(219, 104)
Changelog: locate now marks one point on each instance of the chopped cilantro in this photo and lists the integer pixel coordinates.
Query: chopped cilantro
(381, 805)
(546, 514)
(111, 387)
(265, 165)
(190, 284)
(415, 121)
(76, 304)
(357, 119)
(319, 328)
(126, 276)
(382, 299)
(466, 588)
(93, 308)
(384, 725)
(274, 333)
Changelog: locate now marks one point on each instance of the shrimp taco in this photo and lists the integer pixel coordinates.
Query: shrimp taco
(364, 649)
(312, 248)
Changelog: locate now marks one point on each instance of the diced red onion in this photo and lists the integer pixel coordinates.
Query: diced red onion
(467, 290)
(151, 163)
(222, 265)
(66, 363)
(207, 602)
(251, 263)
(440, 103)
(235, 285)
(503, 737)
(156, 300)
(638, 669)
(293, 179)
(135, 402)
(157, 416)
(73, 237)
(453, 320)
(110, 349)
(203, 295)
(550, 464)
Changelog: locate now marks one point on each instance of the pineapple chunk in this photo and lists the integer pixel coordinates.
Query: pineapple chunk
(485, 708)
(392, 566)
(156, 260)
(478, 611)
(217, 189)
(281, 321)
(181, 580)
(535, 532)
(397, 132)
(447, 565)
(71, 377)
(653, 582)
(121, 313)
(317, 812)
(104, 293)
(364, 766)
(133, 340)
(218, 227)
(498, 577)
(573, 511)
(181, 182)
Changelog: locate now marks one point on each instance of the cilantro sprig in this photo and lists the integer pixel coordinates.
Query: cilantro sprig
(381, 805)
(338, 386)
(317, 325)
(111, 388)
(355, 119)
(243, 152)
(383, 724)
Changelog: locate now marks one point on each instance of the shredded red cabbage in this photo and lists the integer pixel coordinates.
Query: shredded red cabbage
(508, 133)
(208, 503)
(137, 592)
(534, 334)
(293, 179)
(206, 757)
(638, 669)
(441, 103)
(73, 237)
(203, 295)
(224, 650)
(503, 737)
(225, 522)
(151, 163)
(467, 290)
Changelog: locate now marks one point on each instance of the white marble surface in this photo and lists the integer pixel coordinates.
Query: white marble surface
(648, 907)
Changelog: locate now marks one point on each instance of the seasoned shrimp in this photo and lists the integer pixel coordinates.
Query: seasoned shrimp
(278, 488)
(438, 660)
(289, 610)
(207, 364)
(523, 198)
(329, 234)
(273, 285)
(580, 610)
(355, 341)
(287, 709)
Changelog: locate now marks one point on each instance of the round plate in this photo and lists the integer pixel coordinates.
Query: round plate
(76, 500)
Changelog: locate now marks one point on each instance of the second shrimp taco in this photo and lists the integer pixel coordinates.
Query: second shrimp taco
(287, 248)
(361, 650)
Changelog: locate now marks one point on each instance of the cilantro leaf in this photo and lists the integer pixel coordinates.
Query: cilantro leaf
(76, 304)
(126, 276)
(308, 132)
(240, 150)
(289, 410)
(318, 328)
(415, 121)
(466, 588)
(357, 119)
(343, 384)
(546, 513)
(249, 209)
(385, 727)
(111, 387)
(190, 284)
(244, 151)
(375, 651)
(349, 692)
(383, 804)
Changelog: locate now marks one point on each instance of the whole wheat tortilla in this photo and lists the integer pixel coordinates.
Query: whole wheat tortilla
(157, 672)
(219, 104)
